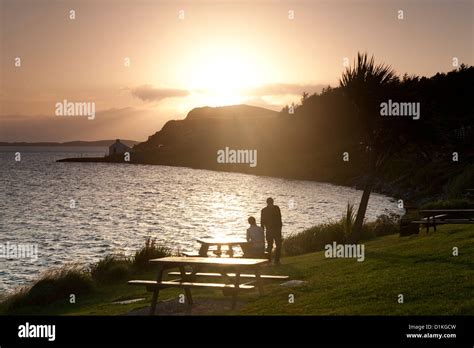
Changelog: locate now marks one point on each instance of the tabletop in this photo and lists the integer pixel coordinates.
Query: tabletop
(447, 211)
(222, 241)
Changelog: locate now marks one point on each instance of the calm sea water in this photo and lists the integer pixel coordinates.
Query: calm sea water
(79, 212)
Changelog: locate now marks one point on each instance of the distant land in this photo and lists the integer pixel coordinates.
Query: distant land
(72, 143)
(231, 112)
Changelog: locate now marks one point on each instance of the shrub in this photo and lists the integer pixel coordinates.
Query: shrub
(314, 239)
(347, 220)
(149, 251)
(460, 203)
(111, 269)
(457, 185)
(368, 231)
(52, 286)
(386, 224)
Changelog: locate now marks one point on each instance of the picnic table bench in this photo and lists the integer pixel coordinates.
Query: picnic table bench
(433, 217)
(229, 268)
(209, 274)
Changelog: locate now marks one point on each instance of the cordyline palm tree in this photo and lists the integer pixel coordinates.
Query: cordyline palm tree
(367, 85)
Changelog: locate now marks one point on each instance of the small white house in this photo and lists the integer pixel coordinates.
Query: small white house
(118, 148)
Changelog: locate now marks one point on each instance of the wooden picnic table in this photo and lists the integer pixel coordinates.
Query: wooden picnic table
(433, 217)
(469, 193)
(447, 211)
(446, 214)
(224, 265)
(219, 242)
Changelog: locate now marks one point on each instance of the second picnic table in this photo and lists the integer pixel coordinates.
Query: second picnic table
(219, 242)
(433, 217)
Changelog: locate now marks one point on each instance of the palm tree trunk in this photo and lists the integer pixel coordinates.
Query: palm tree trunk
(364, 201)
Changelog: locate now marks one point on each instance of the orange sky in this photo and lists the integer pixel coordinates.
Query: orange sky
(220, 53)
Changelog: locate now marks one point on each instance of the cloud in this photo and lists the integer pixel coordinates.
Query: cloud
(149, 93)
(274, 89)
(123, 123)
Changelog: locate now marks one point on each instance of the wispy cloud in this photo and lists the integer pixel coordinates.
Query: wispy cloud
(149, 93)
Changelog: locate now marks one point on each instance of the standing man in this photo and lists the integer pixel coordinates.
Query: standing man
(270, 220)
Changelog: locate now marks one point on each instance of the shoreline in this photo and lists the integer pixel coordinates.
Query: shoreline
(391, 190)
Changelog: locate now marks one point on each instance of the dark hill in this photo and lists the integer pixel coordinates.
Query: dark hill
(286, 144)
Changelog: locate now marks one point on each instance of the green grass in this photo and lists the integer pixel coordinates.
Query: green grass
(420, 267)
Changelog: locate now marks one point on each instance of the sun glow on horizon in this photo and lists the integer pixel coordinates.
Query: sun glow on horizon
(222, 76)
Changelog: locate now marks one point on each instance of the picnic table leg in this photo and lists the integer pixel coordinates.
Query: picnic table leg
(259, 281)
(227, 279)
(203, 250)
(231, 251)
(236, 287)
(189, 297)
(156, 292)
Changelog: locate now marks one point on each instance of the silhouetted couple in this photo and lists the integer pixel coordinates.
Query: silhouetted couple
(270, 220)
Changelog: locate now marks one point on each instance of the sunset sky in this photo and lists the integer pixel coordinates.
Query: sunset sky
(220, 53)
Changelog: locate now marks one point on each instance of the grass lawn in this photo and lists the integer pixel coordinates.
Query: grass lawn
(421, 267)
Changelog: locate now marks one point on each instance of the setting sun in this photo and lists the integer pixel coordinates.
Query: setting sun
(220, 76)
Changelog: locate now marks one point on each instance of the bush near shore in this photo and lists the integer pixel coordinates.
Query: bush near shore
(60, 283)
(316, 237)
(52, 285)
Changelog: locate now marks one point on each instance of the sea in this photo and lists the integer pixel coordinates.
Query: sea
(76, 213)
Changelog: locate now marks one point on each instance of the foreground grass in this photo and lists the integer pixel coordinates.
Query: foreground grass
(421, 267)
